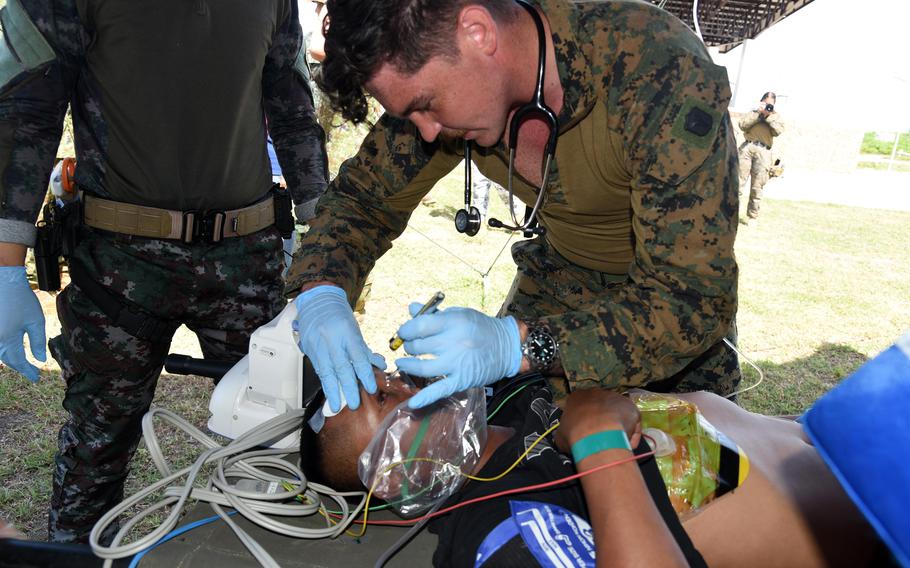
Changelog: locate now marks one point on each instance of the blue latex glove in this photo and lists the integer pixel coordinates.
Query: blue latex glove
(471, 349)
(20, 313)
(331, 338)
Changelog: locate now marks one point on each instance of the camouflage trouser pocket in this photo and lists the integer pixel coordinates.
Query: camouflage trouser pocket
(716, 370)
(95, 445)
(57, 348)
(222, 291)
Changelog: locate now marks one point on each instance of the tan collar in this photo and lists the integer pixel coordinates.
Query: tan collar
(573, 65)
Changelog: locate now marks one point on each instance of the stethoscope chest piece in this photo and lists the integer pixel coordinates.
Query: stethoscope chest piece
(467, 221)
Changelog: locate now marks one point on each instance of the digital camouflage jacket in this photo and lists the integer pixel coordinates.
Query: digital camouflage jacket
(644, 185)
(169, 103)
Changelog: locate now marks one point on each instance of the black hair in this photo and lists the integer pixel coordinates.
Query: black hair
(362, 35)
(310, 451)
(768, 95)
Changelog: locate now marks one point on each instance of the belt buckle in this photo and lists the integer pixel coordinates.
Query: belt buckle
(207, 226)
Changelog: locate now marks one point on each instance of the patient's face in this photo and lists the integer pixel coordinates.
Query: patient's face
(426, 433)
(357, 427)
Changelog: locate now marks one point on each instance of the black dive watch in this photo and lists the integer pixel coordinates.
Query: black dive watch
(540, 348)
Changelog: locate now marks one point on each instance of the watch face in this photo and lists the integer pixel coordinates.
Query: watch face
(541, 347)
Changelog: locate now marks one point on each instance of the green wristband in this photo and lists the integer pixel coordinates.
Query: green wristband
(599, 442)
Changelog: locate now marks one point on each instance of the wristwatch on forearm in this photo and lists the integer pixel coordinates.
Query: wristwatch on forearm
(540, 348)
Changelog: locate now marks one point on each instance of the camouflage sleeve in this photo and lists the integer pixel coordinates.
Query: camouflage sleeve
(298, 138)
(33, 105)
(368, 205)
(680, 296)
(749, 120)
(776, 123)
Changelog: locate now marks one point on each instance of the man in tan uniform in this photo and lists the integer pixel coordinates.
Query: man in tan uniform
(759, 127)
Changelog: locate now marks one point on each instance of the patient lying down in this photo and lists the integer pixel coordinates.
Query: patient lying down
(788, 509)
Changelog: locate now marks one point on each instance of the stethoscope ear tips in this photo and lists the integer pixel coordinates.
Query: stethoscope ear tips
(467, 221)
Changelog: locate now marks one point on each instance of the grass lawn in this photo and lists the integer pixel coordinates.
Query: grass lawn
(898, 166)
(822, 289)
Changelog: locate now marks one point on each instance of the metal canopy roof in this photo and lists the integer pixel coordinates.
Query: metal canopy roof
(726, 23)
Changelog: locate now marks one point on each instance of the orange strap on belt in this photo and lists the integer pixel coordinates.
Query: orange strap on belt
(67, 175)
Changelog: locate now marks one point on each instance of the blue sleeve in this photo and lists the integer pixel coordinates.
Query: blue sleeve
(273, 158)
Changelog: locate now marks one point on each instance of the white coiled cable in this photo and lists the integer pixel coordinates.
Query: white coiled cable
(237, 460)
(761, 374)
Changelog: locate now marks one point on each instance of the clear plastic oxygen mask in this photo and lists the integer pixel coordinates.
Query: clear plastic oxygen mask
(417, 456)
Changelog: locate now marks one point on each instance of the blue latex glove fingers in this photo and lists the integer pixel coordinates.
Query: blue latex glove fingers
(424, 367)
(326, 373)
(360, 358)
(378, 361)
(13, 356)
(363, 367)
(414, 307)
(438, 390)
(432, 345)
(343, 370)
(330, 337)
(425, 325)
(20, 314)
(471, 349)
(37, 338)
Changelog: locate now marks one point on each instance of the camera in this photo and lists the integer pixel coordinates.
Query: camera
(769, 107)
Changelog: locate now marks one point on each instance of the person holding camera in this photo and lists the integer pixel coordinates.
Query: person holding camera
(759, 127)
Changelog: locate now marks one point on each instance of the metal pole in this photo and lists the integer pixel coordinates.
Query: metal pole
(483, 292)
(897, 137)
(739, 72)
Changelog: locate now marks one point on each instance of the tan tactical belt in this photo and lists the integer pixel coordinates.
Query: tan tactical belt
(187, 226)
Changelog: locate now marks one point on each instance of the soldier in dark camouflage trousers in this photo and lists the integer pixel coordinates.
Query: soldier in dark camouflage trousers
(220, 291)
(169, 108)
(635, 278)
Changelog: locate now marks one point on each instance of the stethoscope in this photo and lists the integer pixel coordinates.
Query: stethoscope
(467, 220)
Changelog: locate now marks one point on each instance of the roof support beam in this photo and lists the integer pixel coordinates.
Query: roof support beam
(726, 23)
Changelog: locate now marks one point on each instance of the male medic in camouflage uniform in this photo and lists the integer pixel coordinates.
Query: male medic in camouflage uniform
(169, 105)
(635, 278)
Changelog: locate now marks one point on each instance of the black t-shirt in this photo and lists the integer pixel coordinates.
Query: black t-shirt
(547, 527)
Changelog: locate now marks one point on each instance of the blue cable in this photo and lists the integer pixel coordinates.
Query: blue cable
(176, 532)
